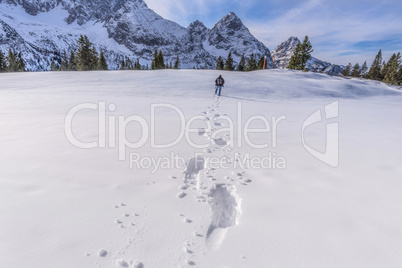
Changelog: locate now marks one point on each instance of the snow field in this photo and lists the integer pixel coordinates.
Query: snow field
(84, 208)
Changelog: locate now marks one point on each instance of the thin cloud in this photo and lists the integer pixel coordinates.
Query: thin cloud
(340, 31)
(184, 12)
(333, 32)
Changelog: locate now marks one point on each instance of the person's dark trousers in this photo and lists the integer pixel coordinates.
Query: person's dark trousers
(218, 88)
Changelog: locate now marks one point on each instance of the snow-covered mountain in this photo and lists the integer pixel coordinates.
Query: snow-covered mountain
(285, 50)
(231, 34)
(43, 29)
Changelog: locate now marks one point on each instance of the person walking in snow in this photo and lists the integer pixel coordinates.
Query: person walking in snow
(219, 83)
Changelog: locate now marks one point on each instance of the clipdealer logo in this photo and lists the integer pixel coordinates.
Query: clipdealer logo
(331, 154)
(112, 133)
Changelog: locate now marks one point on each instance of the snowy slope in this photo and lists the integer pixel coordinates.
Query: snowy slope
(43, 30)
(46, 36)
(62, 206)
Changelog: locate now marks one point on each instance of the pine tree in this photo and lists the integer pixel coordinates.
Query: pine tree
(83, 54)
(251, 64)
(102, 64)
(306, 50)
(260, 64)
(301, 55)
(3, 65)
(20, 63)
(53, 66)
(220, 64)
(160, 63)
(154, 61)
(364, 69)
(137, 65)
(176, 63)
(72, 66)
(129, 64)
(385, 67)
(399, 76)
(12, 63)
(94, 58)
(122, 65)
(375, 69)
(229, 63)
(86, 56)
(295, 61)
(391, 77)
(356, 71)
(242, 64)
(64, 62)
(347, 70)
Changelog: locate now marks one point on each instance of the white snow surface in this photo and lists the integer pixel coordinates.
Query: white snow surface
(62, 206)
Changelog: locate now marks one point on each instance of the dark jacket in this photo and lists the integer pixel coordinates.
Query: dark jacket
(219, 81)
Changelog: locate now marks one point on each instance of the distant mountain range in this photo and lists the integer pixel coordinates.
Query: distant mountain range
(43, 29)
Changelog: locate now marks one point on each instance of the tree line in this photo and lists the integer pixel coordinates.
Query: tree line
(251, 64)
(158, 62)
(388, 72)
(86, 58)
(13, 62)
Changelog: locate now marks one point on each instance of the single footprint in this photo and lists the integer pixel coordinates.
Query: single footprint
(220, 142)
(201, 131)
(102, 253)
(225, 206)
(122, 263)
(181, 195)
(195, 165)
(138, 264)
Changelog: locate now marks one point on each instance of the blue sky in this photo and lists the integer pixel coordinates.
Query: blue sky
(341, 31)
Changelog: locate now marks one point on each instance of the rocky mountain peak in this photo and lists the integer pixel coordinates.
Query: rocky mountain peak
(287, 46)
(231, 30)
(197, 25)
(231, 16)
(285, 50)
(230, 21)
(82, 11)
(121, 29)
(34, 7)
(197, 32)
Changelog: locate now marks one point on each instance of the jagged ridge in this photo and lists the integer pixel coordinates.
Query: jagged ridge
(120, 28)
(43, 29)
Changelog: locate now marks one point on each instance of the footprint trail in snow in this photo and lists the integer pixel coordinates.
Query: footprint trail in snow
(213, 185)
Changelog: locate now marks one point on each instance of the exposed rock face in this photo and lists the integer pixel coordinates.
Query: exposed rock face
(120, 28)
(43, 29)
(285, 50)
(231, 34)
